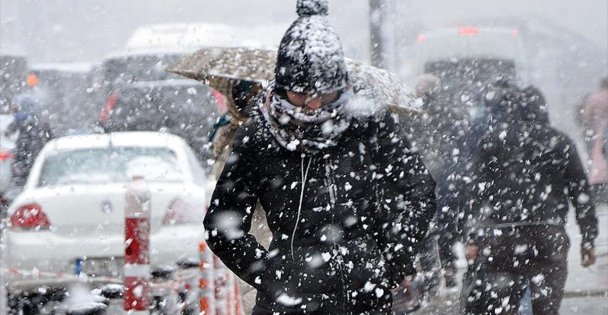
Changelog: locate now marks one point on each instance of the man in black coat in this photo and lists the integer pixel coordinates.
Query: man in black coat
(525, 174)
(34, 133)
(346, 199)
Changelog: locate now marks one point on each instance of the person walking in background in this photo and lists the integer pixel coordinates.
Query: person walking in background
(596, 116)
(345, 197)
(33, 133)
(524, 176)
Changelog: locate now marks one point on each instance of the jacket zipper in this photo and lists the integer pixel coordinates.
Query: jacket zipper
(304, 178)
(331, 185)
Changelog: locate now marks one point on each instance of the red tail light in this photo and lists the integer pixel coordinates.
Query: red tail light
(468, 30)
(30, 216)
(106, 112)
(181, 212)
(5, 155)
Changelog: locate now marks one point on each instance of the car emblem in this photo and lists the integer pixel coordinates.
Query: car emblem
(106, 206)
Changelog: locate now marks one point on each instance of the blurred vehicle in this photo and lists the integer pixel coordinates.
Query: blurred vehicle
(69, 220)
(144, 65)
(65, 94)
(13, 71)
(124, 68)
(192, 36)
(187, 36)
(182, 107)
(6, 156)
(138, 93)
(470, 59)
(151, 48)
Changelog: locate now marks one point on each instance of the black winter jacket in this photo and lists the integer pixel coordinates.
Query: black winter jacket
(527, 173)
(345, 221)
(34, 133)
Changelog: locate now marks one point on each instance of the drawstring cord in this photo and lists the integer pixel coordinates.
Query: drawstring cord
(304, 177)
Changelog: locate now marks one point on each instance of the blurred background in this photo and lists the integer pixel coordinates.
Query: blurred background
(565, 42)
(99, 66)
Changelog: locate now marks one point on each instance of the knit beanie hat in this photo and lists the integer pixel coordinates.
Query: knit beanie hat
(310, 58)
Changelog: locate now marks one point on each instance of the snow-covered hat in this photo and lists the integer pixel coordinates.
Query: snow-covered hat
(310, 57)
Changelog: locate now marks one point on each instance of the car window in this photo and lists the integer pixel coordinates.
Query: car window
(197, 170)
(110, 165)
(139, 68)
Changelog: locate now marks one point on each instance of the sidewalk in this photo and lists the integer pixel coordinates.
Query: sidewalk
(586, 289)
(593, 280)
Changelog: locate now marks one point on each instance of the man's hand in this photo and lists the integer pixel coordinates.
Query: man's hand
(404, 286)
(471, 253)
(588, 256)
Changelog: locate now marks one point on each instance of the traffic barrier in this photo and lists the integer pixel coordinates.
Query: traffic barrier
(221, 285)
(206, 281)
(137, 248)
(218, 287)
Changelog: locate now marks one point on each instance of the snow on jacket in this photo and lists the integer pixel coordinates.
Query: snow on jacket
(346, 221)
(526, 173)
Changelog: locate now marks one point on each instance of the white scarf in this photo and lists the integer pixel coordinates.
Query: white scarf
(306, 130)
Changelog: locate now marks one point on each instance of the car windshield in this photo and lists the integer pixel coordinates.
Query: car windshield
(139, 67)
(110, 165)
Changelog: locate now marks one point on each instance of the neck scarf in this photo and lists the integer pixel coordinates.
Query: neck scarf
(298, 129)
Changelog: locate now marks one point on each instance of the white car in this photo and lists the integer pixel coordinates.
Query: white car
(69, 219)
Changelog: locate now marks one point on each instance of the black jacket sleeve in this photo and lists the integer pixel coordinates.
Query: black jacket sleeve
(579, 193)
(406, 199)
(230, 213)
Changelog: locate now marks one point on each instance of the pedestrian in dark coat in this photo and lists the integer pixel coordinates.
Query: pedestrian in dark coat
(34, 133)
(346, 199)
(525, 174)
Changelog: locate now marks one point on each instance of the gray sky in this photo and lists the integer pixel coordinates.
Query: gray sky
(86, 30)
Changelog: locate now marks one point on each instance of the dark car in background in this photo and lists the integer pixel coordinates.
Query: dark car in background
(120, 69)
(135, 66)
(469, 60)
(65, 91)
(182, 107)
